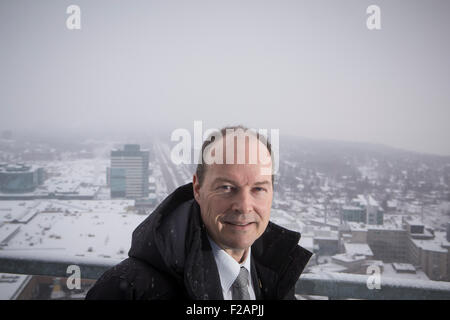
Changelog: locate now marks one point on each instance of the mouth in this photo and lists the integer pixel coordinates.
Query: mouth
(239, 225)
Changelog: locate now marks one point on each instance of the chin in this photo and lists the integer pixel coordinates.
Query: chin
(240, 243)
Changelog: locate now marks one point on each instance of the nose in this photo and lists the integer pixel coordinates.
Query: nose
(242, 202)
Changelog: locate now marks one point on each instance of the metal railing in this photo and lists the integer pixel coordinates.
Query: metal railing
(331, 285)
(354, 286)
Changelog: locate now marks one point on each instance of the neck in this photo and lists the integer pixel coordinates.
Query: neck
(237, 254)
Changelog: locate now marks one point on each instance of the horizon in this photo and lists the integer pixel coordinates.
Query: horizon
(309, 69)
(139, 136)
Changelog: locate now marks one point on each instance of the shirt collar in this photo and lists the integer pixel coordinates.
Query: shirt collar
(228, 267)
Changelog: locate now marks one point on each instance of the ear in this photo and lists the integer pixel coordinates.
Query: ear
(196, 187)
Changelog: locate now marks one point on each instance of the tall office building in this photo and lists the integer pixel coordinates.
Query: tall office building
(128, 175)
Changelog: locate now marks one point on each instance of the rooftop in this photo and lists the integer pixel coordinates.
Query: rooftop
(344, 257)
(436, 244)
(389, 271)
(82, 229)
(358, 249)
(365, 200)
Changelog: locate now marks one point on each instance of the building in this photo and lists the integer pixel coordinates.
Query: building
(357, 232)
(428, 250)
(20, 178)
(352, 263)
(363, 209)
(326, 241)
(128, 174)
(388, 243)
(354, 214)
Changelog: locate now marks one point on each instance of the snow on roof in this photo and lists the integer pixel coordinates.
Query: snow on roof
(386, 227)
(81, 170)
(355, 226)
(76, 206)
(364, 200)
(358, 249)
(414, 221)
(84, 229)
(392, 203)
(350, 207)
(430, 245)
(389, 271)
(20, 211)
(344, 257)
(7, 230)
(327, 267)
(331, 221)
(286, 220)
(82, 176)
(441, 237)
(403, 267)
(19, 168)
(324, 234)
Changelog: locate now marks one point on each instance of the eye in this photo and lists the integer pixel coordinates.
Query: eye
(226, 188)
(259, 189)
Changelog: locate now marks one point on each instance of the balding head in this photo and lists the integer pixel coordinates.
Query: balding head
(235, 145)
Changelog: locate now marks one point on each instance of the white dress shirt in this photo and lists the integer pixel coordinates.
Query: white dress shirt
(229, 270)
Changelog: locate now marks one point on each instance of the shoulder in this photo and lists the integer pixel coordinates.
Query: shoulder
(133, 279)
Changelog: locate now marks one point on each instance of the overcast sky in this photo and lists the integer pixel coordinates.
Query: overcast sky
(309, 68)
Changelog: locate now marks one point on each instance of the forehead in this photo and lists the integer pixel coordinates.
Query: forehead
(245, 159)
(238, 173)
(240, 148)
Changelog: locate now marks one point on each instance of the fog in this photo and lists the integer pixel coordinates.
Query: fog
(308, 68)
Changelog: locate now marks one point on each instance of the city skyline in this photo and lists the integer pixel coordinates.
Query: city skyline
(312, 70)
(357, 209)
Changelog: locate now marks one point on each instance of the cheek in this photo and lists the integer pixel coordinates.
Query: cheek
(263, 210)
(265, 219)
(219, 204)
(214, 206)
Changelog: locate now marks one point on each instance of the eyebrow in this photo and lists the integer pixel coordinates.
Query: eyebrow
(221, 179)
(262, 183)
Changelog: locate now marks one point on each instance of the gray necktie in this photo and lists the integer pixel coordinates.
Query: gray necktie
(239, 289)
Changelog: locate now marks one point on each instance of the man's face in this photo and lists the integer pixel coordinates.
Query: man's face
(235, 202)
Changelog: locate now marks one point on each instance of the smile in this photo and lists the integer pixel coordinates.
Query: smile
(239, 225)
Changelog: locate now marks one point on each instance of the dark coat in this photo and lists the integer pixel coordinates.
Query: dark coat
(171, 258)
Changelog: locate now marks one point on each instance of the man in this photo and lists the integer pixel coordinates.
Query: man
(212, 239)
